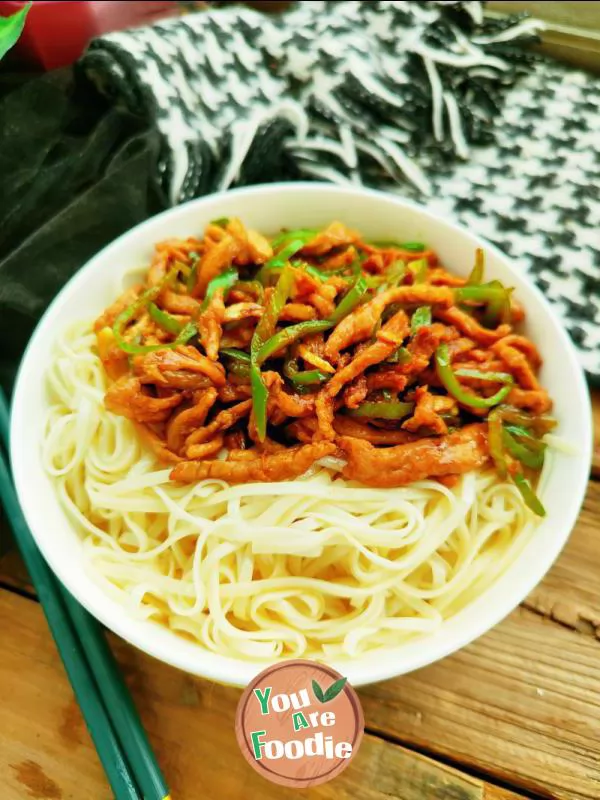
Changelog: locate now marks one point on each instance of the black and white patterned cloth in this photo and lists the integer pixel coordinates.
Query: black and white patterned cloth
(425, 99)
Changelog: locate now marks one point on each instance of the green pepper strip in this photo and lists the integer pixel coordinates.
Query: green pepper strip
(166, 321)
(262, 333)
(353, 270)
(193, 274)
(349, 302)
(310, 377)
(494, 295)
(532, 459)
(376, 282)
(321, 275)
(539, 424)
(476, 275)
(279, 260)
(315, 273)
(394, 273)
(268, 321)
(187, 333)
(390, 278)
(221, 222)
(500, 438)
(239, 369)
(495, 442)
(283, 256)
(529, 496)
(347, 272)
(482, 293)
(240, 361)
(289, 335)
(305, 234)
(224, 281)
(419, 269)
(129, 313)
(491, 377)
(530, 442)
(294, 332)
(233, 352)
(421, 317)
(307, 378)
(455, 388)
(401, 356)
(413, 247)
(382, 410)
(498, 309)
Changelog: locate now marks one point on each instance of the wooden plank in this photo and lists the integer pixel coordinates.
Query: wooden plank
(5, 534)
(523, 702)
(45, 751)
(569, 592)
(578, 50)
(571, 33)
(580, 13)
(595, 395)
(13, 573)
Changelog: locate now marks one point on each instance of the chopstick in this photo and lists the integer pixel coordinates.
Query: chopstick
(118, 701)
(103, 697)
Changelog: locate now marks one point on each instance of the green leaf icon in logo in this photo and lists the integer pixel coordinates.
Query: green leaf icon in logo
(318, 692)
(331, 693)
(335, 689)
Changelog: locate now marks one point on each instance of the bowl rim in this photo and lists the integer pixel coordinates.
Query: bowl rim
(152, 638)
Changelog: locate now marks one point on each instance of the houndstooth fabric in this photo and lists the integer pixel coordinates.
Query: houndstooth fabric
(535, 194)
(428, 100)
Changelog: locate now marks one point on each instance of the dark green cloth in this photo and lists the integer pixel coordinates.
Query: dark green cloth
(75, 172)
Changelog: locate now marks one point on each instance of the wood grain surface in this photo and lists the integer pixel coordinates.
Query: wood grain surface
(595, 394)
(45, 751)
(516, 714)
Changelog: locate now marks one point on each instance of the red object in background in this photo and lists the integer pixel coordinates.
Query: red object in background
(57, 32)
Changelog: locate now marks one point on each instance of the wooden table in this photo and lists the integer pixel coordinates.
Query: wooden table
(515, 715)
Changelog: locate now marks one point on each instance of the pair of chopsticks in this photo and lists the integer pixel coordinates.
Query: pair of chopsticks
(105, 702)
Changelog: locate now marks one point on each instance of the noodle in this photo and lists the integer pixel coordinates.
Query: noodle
(316, 567)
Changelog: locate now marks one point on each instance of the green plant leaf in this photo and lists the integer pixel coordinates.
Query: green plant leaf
(318, 692)
(334, 689)
(11, 28)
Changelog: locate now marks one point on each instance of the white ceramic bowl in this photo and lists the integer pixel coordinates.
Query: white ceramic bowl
(268, 208)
